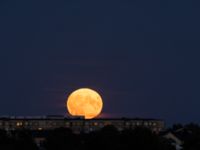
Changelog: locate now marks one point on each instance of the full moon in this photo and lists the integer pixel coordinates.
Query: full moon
(84, 102)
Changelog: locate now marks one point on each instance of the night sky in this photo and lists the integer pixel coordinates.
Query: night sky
(142, 56)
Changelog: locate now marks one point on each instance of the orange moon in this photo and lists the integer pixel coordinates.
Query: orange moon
(84, 102)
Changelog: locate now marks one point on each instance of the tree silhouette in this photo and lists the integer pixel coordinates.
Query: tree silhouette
(191, 137)
(107, 137)
(61, 139)
(23, 140)
(143, 139)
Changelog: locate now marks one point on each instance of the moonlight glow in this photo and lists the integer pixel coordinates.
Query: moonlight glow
(85, 102)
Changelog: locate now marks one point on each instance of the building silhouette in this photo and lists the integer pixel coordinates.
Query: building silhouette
(77, 125)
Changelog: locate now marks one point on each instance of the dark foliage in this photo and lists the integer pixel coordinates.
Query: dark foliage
(17, 140)
(61, 139)
(143, 139)
(191, 137)
(106, 138)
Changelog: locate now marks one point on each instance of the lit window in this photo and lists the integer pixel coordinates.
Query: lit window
(19, 124)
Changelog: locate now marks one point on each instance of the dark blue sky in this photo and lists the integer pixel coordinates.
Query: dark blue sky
(142, 56)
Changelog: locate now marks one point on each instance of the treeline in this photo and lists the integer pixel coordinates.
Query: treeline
(106, 138)
(109, 138)
(189, 134)
(17, 140)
